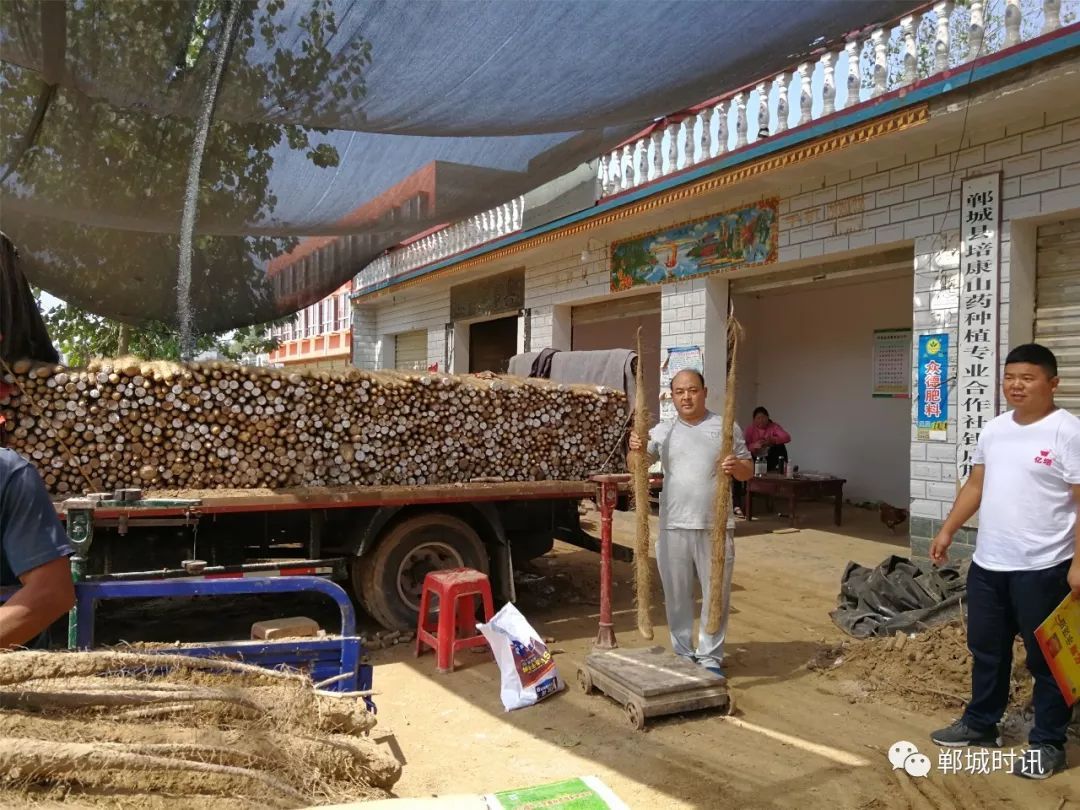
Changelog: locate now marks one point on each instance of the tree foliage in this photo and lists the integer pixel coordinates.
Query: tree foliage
(80, 335)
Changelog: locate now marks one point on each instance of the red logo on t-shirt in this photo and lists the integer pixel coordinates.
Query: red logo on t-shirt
(1045, 458)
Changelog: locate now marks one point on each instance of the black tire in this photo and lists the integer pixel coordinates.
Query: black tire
(387, 580)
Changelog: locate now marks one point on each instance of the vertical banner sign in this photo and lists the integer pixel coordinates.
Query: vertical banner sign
(932, 414)
(976, 389)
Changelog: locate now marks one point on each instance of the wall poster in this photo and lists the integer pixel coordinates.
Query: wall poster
(678, 358)
(892, 363)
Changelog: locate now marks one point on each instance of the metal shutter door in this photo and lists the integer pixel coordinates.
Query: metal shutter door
(410, 351)
(1057, 304)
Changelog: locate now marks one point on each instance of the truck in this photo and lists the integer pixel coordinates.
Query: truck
(380, 541)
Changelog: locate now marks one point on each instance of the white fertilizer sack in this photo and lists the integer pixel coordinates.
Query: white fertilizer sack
(527, 668)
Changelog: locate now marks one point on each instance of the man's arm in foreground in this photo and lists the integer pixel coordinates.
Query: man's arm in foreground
(47, 593)
(966, 504)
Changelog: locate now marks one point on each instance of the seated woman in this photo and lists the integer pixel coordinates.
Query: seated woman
(764, 437)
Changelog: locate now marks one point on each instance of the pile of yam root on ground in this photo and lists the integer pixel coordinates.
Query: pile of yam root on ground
(145, 730)
(157, 425)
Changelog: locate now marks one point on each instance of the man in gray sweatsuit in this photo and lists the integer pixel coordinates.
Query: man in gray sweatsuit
(688, 446)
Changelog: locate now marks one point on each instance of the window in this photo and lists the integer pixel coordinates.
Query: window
(328, 305)
(343, 312)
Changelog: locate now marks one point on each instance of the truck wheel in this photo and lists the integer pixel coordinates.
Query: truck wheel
(389, 579)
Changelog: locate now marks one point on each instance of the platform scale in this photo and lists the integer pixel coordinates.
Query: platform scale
(648, 682)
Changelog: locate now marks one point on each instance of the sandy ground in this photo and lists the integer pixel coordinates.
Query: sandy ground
(799, 738)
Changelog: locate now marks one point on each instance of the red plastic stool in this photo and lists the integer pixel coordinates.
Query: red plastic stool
(455, 588)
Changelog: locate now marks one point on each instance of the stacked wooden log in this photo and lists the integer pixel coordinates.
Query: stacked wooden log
(161, 425)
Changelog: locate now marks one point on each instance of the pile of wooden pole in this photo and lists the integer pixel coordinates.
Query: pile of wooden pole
(218, 425)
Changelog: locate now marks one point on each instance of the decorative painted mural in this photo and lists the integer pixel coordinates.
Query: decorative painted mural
(743, 236)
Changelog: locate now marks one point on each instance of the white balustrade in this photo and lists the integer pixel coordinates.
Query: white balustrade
(706, 135)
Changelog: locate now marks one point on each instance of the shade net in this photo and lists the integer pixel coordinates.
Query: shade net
(341, 127)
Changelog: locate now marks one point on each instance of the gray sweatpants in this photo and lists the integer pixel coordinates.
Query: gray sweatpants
(679, 553)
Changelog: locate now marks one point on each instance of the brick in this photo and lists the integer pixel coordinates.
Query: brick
(890, 196)
(970, 157)
(934, 167)
(862, 239)
(934, 205)
(947, 299)
(1061, 200)
(811, 249)
(801, 202)
(872, 219)
(826, 195)
(1010, 188)
(1042, 138)
(918, 190)
(849, 224)
(918, 227)
(1046, 180)
(849, 189)
(904, 175)
(926, 470)
(823, 230)
(785, 206)
(943, 185)
(788, 254)
(1070, 130)
(837, 244)
(804, 234)
(918, 451)
(1022, 207)
(1023, 164)
(983, 168)
(924, 508)
(836, 178)
(291, 627)
(876, 182)
(951, 223)
(938, 451)
(1070, 175)
(783, 240)
(948, 471)
(918, 489)
(903, 212)
(890, 233)
(999, 150)
(1061, 155)
(941, 492)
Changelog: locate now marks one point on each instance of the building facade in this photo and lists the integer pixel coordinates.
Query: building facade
(884, 223)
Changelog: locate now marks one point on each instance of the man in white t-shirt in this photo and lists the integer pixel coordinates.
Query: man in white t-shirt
(688, 447)
(1025, 483)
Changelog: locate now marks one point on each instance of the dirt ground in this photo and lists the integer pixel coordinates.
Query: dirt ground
(800, 738)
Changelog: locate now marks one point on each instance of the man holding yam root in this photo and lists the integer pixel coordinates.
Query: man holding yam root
(688, 447)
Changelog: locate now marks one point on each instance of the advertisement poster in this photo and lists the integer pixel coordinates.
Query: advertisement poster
(933, 372)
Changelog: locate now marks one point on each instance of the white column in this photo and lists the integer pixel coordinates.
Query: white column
(941, 38)
(782, 109)
(1051, 16)
(741, 124)
(806, 100)
(828, 84)
(881, 66)
(907, 29)
(763, 110)
(976, 30)
(1012, 23)
(854, 52)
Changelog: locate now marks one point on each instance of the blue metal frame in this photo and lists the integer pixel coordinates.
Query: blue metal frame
(320, 658)
(962, 76)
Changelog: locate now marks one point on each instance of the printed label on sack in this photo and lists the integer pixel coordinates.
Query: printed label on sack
(533, 662)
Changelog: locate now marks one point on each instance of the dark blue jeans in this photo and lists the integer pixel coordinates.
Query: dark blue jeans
(1000, 605)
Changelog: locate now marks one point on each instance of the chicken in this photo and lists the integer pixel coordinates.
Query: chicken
(892, 516)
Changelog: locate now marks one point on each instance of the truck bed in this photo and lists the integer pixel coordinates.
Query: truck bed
(220, 501)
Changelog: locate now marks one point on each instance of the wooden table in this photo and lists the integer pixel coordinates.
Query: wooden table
(794, 490)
